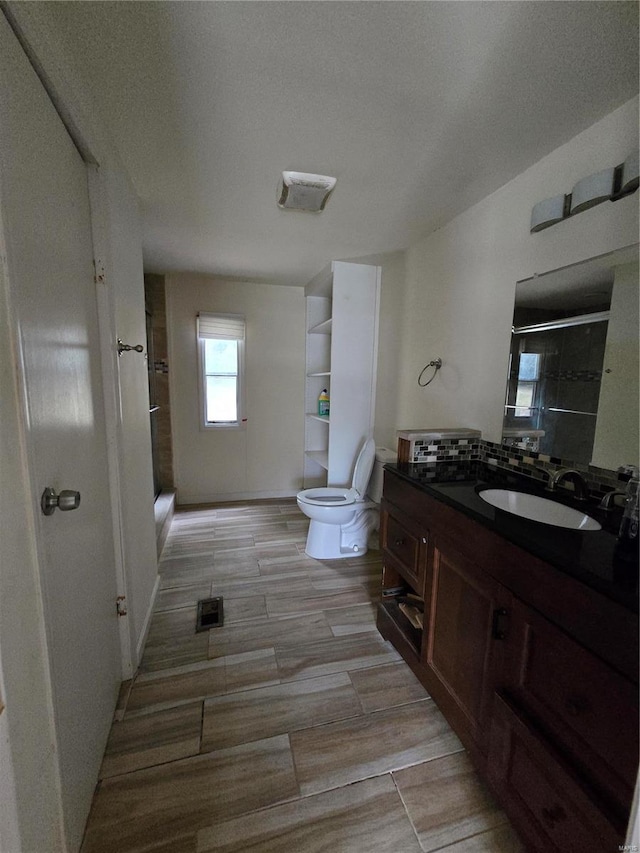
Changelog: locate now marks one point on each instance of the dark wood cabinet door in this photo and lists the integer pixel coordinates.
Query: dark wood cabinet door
(585, 707)
(463, 650)
(404, 545)
(550, 804)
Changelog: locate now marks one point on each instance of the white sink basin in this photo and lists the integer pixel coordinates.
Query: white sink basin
(539, 509)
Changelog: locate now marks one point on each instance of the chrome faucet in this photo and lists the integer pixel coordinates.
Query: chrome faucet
(608, 501)
(579, 485)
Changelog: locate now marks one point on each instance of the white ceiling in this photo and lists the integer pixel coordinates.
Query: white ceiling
(419, 109)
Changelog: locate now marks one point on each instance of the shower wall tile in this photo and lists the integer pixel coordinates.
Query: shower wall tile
(154, 288)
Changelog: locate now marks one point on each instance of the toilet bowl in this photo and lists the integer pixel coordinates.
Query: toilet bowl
(342, 518)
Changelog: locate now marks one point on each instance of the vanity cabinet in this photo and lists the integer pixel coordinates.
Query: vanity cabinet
(535, 672)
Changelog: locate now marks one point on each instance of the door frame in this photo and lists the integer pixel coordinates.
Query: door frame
(113, 414)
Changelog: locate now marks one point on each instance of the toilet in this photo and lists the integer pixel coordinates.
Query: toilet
(343, 518)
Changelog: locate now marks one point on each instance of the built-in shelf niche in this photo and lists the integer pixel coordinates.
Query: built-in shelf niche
(320, 457)
(341, 344)
(322, 328)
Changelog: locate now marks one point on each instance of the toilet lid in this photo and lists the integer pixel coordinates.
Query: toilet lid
(364, 466)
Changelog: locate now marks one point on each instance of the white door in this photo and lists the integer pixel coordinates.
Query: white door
(47, 233)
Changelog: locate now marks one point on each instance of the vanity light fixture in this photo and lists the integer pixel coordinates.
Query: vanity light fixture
(548, 212)
(630, 179)
(609, 184)
(303, 191)
(592, 190)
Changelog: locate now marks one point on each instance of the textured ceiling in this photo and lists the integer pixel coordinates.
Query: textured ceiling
(419, 109)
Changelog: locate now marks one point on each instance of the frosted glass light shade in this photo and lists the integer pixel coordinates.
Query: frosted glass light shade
(592, 190)
(547, 212)
(630, 179)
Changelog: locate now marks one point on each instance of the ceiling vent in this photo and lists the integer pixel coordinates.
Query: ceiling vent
(300, 191)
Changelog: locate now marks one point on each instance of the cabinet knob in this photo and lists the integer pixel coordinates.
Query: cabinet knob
(554, 815)
(399, 542)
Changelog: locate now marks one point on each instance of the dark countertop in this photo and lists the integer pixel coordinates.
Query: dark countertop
(588, 556)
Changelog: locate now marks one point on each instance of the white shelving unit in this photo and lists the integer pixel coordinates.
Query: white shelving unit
(322, 328)
(342, 342)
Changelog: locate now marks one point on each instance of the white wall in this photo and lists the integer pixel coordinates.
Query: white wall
(616, 439)
(460, 280)
(265, 458)
(390, 331)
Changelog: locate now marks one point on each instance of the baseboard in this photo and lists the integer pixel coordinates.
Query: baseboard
(142, 639)
(224, 497)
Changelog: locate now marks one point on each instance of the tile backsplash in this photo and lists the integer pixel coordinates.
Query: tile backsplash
(436, 445)
(426, 448)
(445, 450)
(538, 466)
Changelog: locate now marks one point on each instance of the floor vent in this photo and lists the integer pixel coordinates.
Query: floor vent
(210, 614)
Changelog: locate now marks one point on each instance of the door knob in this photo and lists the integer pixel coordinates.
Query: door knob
(65, 501)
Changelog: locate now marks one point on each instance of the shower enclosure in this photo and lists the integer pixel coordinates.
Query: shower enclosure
(555, 371)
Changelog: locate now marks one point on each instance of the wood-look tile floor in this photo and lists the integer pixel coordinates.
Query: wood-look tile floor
(294, 727)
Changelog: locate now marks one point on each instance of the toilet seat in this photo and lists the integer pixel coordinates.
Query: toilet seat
(329, 496)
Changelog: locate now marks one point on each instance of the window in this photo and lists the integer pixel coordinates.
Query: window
(221, 346)
(528, 377)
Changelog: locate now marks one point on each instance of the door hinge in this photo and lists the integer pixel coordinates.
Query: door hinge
(500, 623)
(121, 605)
(99, 272)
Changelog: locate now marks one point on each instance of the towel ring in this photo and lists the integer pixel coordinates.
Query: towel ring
(436, 364)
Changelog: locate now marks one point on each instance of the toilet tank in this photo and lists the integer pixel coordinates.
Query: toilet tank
(383, 456)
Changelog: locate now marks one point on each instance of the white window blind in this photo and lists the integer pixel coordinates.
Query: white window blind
(223, 327)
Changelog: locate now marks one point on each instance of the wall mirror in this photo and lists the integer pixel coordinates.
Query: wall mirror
(572, 385)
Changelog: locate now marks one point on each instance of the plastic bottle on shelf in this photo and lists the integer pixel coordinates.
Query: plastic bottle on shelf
(323, 404)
